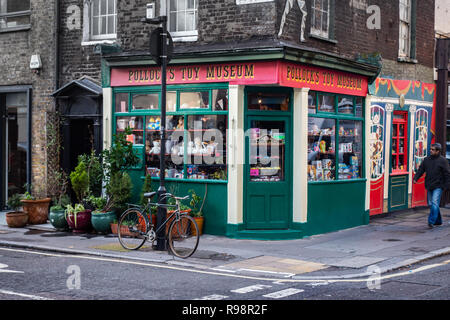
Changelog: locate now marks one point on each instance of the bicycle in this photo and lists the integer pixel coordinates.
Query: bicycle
(135, 227)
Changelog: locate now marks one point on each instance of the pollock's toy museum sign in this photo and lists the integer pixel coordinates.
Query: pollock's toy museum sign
(246, 73)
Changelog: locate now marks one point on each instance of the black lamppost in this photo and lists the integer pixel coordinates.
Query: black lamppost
(158, 49)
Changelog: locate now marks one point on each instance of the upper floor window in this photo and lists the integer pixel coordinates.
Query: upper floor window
(14, 14)
(405, 28)
(182, 16)
(99, 20)
(320, 18)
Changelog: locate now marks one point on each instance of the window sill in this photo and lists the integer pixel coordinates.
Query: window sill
(15, 29)
(185, 39)
(311, 35)
(94, 42)
(407, 60)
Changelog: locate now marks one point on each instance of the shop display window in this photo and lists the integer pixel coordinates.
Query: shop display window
(174, 148)
(121, 101)
(326, 103)
(350, 149)
(376, 142)
(321, 149)
(267, 150)
(147, 101)
(359, 107)
(399, 143)
(312, 102)
(136, 124)
(194, 100)
(268, 101)
(206, 147)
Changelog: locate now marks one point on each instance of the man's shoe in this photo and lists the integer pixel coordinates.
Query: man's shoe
(438, 224)
(430, 226)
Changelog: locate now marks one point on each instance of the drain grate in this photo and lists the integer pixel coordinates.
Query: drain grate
(392, 240)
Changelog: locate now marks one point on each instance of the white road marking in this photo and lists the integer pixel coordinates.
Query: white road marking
(283, 293)
(4, 266)
(23, 295)
(249, 289)
(154, 265)
(213, 297)
(284, 274)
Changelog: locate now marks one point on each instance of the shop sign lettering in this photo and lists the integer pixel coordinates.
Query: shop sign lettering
(277, 73)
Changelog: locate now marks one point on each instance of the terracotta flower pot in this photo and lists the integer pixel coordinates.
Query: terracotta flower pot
(37, 210)
(81, 223)
(199, 221)
(16, 219)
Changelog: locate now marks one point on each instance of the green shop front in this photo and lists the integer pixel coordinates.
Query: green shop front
(274, 146)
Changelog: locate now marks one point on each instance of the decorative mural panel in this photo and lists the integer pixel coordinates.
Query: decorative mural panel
(420, 137)
(376, 141)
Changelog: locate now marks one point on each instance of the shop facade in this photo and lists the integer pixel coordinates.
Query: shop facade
(276, 147)
(402, 127)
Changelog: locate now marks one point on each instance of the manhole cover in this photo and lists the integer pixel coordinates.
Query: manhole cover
(204, 254)
(406, 289)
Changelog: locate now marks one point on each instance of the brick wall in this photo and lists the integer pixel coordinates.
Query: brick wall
(16, 49)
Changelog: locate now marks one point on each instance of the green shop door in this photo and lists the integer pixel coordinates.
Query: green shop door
(267, 173)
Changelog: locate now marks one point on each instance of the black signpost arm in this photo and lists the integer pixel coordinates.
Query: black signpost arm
(161, 216)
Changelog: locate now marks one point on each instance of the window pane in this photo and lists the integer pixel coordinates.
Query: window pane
(182, 5)
(96, 10)
(191, 4)
(173, 5)
(190, 21)
(326, 103)
(171, 101)
(220, 99)
(359, 107)
(121, 102)
(111, 24)
(174, 147)
(111, 7)
(350, 149)
(345, 105)
(103, 25)
(95, 30)
(267, 150)
(206, 148)
(181, 22)
(136, 124)
(325, 23)
(173, 21)
(194, 100)
(311, 102)
(145, 101)
(103, 7)
(14, 6)
(321, 149)
(268, 101)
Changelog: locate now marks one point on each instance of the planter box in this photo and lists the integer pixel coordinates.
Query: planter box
(37, 210)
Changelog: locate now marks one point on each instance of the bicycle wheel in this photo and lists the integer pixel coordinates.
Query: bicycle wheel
(182, 242)
(132, 229)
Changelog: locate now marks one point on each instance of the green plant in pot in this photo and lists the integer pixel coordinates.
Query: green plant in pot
(197, 209)
(57, 214)
(35, 205)
(78, 217)
(101, 218)
(16, 218)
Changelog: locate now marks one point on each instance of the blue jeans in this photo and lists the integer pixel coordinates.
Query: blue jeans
(434, 199)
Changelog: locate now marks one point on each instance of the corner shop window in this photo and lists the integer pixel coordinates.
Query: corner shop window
(199, 127)
(206, 147)
(268, 101)
(335, 141)
(321, 149)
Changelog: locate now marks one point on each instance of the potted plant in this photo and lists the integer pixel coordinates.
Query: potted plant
(102, 217)
(118, 192)
(197, 213)
(37, 209)
(78, 218)
(16, 218)
(57, 214)
(80, 181)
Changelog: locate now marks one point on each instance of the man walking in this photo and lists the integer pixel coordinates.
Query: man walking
(437, 179)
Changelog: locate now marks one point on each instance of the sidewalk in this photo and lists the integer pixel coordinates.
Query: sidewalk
(390, 242)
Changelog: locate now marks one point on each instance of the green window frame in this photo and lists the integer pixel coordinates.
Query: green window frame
(211, 111)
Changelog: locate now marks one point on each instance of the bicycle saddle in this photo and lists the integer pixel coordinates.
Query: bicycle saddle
(149, 194)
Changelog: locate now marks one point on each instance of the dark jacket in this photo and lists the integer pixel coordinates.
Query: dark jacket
(437, 170)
